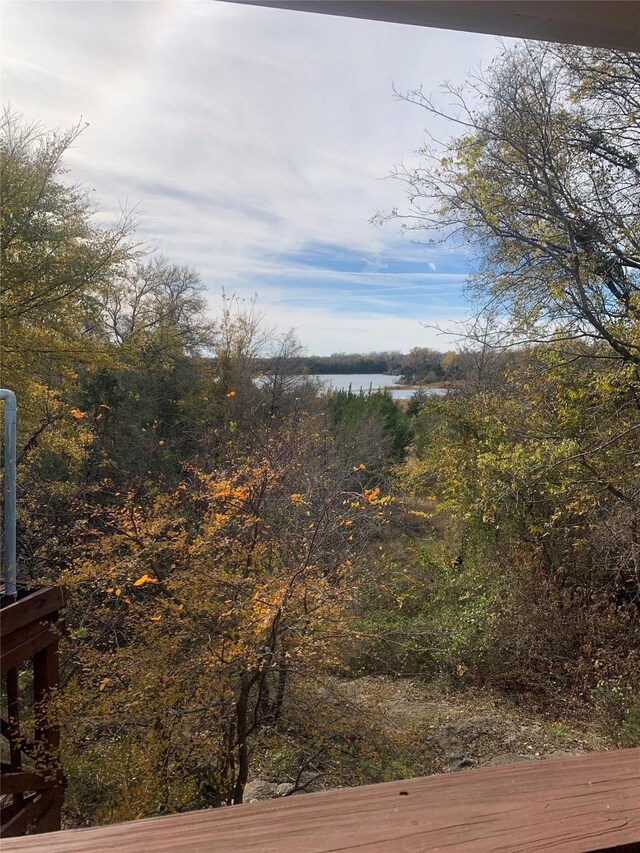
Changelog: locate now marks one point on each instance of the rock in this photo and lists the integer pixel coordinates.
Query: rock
(509, 758)
(457, 739)
(462, 764)
(563, 753)
(259, 789)
(308, 782)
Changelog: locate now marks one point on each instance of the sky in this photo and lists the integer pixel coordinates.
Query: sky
(255, 145)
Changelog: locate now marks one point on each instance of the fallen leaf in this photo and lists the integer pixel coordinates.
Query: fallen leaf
(145, 579)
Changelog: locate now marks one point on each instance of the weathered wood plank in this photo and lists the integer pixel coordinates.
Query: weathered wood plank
(34, 808)
(12, 729)
(45, 681)
(19, 636)
(34, 606)
(12, 656)
(585, 803)
(18, 781)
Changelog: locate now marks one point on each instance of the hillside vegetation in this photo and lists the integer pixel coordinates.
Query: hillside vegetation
(267, 584)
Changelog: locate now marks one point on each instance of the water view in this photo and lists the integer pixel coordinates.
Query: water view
(370, 381)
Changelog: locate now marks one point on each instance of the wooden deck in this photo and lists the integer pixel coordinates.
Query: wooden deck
(31, 781)
(584, 803)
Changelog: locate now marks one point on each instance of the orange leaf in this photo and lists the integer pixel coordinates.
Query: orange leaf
(145, 579)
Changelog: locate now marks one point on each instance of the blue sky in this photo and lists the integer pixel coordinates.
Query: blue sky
(255, 144)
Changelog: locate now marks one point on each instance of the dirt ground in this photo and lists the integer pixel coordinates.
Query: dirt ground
(457, 730)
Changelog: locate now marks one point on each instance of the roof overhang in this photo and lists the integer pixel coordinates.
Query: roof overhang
(597, 23)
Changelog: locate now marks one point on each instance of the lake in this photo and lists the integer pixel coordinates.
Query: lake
(365, 381)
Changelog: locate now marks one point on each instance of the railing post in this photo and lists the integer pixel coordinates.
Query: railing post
(9, 561)
(32, 781)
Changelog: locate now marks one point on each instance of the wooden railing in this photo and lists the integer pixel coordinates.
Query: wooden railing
(31, 779)
(584, 803)
(571, 805)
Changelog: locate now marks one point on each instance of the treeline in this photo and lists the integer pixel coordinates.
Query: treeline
(373, 362)
(420, 364)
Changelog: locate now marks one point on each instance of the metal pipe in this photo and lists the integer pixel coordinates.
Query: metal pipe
(9, 561)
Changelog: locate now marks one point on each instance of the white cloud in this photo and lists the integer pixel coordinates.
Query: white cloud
(323, 330)
(244, 134)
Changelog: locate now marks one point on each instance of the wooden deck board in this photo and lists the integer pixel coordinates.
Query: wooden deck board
(584, 803)
(30, 607)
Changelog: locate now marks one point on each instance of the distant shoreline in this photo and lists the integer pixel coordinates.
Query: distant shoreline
(443, 383)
